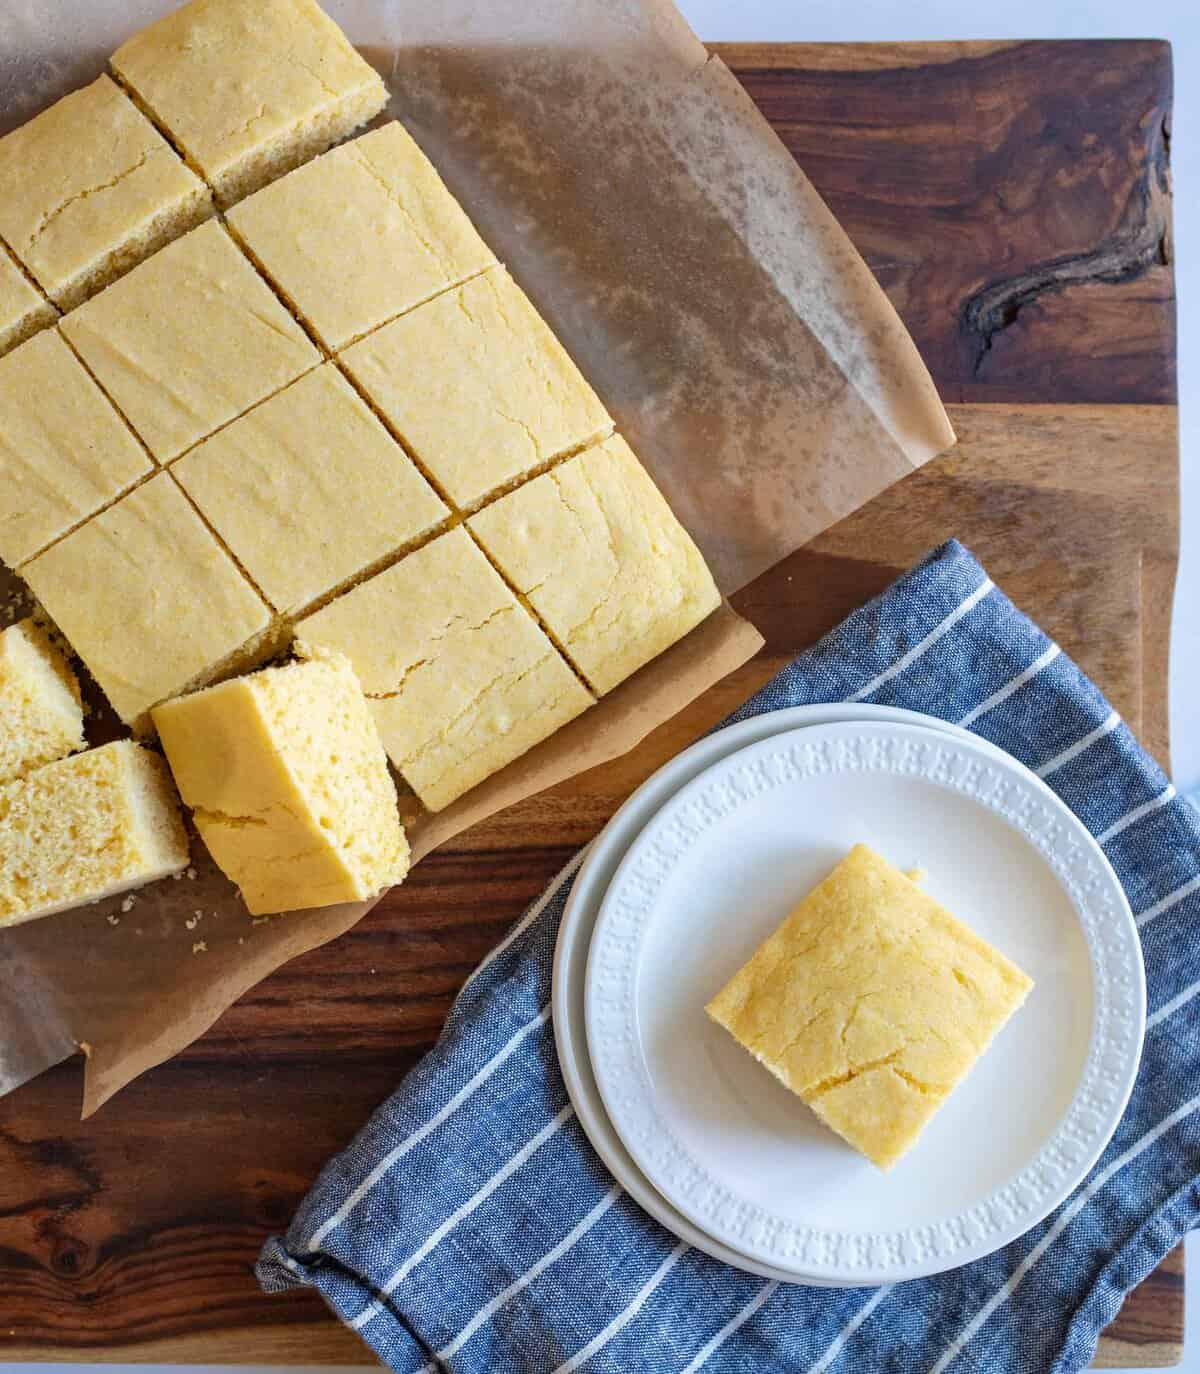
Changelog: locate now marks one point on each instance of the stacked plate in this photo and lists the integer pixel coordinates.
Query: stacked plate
(706, 859)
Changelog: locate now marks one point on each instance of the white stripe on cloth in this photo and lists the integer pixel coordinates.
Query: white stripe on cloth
(1065, 1218)
(368, 1314)
(1181, 999)
(1042, 661)
(1109, 724)
(740, 1319)
(1130, 817)
(1170, 900)
(838, 1343)
(411, 1142)
(943, 628)
(622, 1319)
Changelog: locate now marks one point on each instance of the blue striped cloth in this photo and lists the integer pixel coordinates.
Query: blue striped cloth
(470, 1226)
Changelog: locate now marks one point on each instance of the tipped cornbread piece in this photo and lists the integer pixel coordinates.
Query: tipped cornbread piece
(64, 451)
(308, 489)
(188, 340)
(89, 188)
(148, 599)
(289, 785)
(360, 235)
(249, 89)
(41, 716)
(461, 680)
(87, 827)
(615, 578)
(477, 387)
(871, 1003)
(23, 308)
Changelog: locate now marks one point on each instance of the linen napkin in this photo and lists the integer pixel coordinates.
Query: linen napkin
(470, 1227)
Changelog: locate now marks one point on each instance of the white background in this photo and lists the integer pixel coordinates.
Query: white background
(1177, 20)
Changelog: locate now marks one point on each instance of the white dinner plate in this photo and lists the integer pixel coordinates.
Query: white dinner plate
(717, 869)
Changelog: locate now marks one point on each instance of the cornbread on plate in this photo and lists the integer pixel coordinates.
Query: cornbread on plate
(89, 188)
(460, 678)
(40, 711)
(23, 308)
(871, 1002)
(249, 89)
(361, 235)
(289, 785)
(615, 578)
(87, 827)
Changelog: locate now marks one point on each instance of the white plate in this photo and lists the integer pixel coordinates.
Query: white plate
(719, 867)
(575, 935)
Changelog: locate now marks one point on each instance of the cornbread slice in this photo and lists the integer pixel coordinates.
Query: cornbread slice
(461, 680)
(41, 716)
(289, 785)
(249, 89)
(871, 1003)
(23, 308)
(64, 451)
(477, 387)
(615, 578)
(360, 235)
(308, 489)
(87, 827)
(89, 188)
(148, 599)
(189, 340)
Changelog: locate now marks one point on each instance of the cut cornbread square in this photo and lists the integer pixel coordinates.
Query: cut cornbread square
(460, 678)
(23, 308)
(615, 578)
(477, 388)
(188, 340)
(87, 827)
(148, 599)
(248, 89)
(89, 188)
(289, 785)
(64, 451)
(41, 715)
(362, 234)
(871, 1002)
(309, 489)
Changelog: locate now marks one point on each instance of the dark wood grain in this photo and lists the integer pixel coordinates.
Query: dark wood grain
(133, 1236)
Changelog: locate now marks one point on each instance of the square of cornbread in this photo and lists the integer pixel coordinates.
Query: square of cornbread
(309, 489)
(289, 785)
(23, 308)
(87, 827)
(90, 187)
(871, 1003)
(615, 578)
(188, 340)
(148, 599)
(477, 387)
(41, 715)
(248, 89)
(64, 451)
(460, 678)
(361, 235)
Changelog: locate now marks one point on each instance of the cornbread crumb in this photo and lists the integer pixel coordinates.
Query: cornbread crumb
(128, 904)
(41, 717)
(199, 947)
(23, 308)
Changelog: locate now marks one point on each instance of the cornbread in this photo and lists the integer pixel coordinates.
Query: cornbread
(360, 235)
(64, 451)
(23, 309)
(189, 340)
(460, 678)
(41, 717)
(871, 1003)
(89, 188)
(86, 827)
(289, 785)
(615, 578)
(308, 489)
(248, 89)
(148, 599)
(477, 387)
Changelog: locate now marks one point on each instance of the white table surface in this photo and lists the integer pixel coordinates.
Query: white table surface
(1177, 20)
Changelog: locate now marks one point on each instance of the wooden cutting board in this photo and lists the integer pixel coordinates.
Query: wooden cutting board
(1014, 200)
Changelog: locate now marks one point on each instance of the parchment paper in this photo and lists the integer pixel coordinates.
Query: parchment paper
(679, 252)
